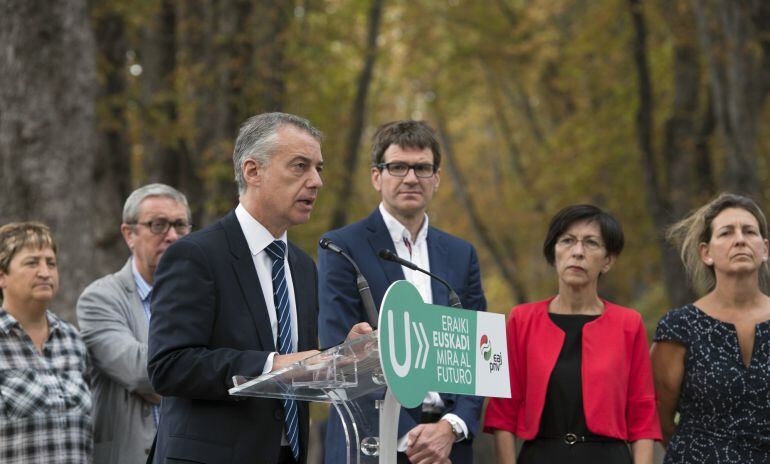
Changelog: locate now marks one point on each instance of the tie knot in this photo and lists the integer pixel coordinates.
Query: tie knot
(276, 250)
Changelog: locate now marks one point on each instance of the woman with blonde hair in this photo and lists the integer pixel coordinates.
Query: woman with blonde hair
(711, 358)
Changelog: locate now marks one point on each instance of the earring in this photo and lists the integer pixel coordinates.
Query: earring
(709, 261)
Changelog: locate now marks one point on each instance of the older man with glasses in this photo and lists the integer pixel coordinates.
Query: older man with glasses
(114, 314)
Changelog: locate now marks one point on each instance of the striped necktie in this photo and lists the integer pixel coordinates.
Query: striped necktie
(277, 252)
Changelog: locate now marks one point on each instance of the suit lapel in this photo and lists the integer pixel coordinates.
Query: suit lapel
(126, 278)
(379, 238)
(303, 298)
(438, 256)
(246, 275)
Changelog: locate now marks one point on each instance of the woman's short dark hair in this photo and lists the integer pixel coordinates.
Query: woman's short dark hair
(612, 232)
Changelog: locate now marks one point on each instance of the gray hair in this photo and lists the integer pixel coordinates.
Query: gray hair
(134, 201)
(257, 138)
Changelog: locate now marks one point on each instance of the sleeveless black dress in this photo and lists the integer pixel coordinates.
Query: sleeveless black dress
(724, 406)
(563, 410)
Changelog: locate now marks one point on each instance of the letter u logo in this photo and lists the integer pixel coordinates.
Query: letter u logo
(401, 369)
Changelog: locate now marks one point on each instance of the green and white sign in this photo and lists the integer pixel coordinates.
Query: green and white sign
(426, 347)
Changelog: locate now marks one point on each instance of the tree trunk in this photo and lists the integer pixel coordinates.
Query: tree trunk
(685, 156)
(500, 257)
(48, 132)
(658, 201)
(732, 44)
(231, 65)
(166, 154)
(112, 171)
(269, 61)
(339, 215)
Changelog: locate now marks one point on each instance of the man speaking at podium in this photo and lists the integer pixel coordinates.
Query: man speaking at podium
(405, 171)
(237, 299)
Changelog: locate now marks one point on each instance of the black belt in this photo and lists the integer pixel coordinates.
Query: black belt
(573, 438)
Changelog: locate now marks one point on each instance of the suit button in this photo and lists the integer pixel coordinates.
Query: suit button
(278, 414)
(147, 451)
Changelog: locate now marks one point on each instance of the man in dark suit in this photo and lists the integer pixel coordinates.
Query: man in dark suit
(405, 171)
(237, 299)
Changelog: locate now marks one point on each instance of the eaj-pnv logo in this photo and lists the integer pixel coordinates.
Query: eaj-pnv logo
(495, 360)
(486, 347)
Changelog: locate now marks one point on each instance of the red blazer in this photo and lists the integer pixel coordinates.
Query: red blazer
(618, 393)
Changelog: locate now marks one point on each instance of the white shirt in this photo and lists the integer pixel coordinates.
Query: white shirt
(258, 238)
(417, 252)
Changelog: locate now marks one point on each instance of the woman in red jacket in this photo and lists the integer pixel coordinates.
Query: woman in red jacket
(581, 382)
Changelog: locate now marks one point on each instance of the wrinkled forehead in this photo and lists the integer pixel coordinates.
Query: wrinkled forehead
(28, 252)
(162, 206)
(734, 217)
(43, 251)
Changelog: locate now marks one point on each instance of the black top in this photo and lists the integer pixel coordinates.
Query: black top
(724, 405)
(563, 410)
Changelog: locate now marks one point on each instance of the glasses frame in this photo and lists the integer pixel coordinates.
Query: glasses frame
(412, 167)
(582, 241)
(187, 227)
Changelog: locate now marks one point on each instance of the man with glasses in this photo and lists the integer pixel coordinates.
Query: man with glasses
(405, 171)
(114, 314)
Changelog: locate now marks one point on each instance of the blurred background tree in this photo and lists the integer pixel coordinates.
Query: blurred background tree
(644, 108)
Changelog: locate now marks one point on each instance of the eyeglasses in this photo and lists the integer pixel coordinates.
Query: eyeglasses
(161, 226)
(589, 243)
(398, 169)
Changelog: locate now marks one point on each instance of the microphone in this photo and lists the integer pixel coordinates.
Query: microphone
(388, 255)
(361, 283)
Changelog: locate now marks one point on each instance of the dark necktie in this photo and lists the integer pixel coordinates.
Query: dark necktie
(277, 252)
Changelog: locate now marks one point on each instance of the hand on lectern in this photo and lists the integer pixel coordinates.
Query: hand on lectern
(362, 328)
(282, 360)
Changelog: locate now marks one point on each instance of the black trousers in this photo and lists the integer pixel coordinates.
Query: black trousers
(285, 456)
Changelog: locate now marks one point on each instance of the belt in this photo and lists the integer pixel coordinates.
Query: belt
(573, 438)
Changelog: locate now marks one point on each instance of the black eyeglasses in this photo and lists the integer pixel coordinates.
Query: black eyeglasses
(398, 169)
(161, 226)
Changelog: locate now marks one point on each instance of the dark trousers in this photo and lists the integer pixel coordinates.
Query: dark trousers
(285, 456)
(462, 453)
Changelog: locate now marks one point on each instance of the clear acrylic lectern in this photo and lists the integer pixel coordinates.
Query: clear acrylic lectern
(348, 376)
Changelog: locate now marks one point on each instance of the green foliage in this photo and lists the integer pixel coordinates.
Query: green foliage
(540, 100)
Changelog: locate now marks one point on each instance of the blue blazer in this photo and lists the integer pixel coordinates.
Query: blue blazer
(209, 322)
(450, 257)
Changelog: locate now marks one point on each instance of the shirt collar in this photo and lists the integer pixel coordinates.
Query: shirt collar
(398, 231)
(142, 287)
(7, 322)
(257, 236)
